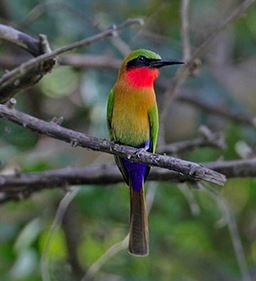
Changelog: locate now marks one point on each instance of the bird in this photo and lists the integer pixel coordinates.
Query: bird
(132, 119)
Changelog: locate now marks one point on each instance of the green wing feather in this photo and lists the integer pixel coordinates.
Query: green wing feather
(154, 127)
(110, 105)
(153, 123)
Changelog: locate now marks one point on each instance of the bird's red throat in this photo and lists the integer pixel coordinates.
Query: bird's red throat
(141, 77)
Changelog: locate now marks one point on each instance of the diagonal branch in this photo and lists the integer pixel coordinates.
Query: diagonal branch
(13, 77)
(207, 139)
(105, 61)
(218, 109)
(183, 71)
(23, 40)
(223, 111)
(51, 129)
(36, 47)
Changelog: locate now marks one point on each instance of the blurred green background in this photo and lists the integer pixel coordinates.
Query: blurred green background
(186, 244)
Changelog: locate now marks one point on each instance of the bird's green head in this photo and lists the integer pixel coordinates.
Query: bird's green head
(139, 56)
(140, 67)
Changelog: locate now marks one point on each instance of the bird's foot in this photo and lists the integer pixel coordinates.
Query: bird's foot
(140, 152)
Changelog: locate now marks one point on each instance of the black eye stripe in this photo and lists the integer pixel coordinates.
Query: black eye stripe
(140, 61)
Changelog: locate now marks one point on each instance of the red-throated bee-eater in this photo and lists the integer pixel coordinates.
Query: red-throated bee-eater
(132, 117)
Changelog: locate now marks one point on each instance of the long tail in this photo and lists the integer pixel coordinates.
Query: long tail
(138, 239)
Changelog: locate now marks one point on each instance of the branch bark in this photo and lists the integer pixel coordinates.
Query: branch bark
(10, 81)
(36, 47)
(20, 186)
(104, 61)
(51, 129)
(23, 40)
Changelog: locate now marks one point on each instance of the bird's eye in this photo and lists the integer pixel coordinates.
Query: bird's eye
(141, 58)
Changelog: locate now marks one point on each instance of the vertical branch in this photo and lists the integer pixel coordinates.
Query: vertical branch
(233, 231)
(64, 203)
(236, 240)
(184, 71)
(189, 196)
(72, 237)
(111, 252)
(184, 10)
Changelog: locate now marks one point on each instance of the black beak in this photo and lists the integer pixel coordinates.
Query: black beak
(161, 63)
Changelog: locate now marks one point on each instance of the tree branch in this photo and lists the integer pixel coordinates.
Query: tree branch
(23, 40)
(51, 129)
(75, 60)
(10, 81)
(188, 97)
(92, 61)
(22, 185)
(31, 76)
(218, 109)
(104, 61)
(184, 70)
(72, 237)
(186, 52)
(207, 139)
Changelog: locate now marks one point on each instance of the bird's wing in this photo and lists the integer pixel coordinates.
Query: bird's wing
(154, 126)
(118, 160)
(110, 111)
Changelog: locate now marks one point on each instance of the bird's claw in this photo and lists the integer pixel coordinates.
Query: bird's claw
(140, 151)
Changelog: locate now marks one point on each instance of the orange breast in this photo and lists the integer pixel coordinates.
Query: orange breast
(130, 121)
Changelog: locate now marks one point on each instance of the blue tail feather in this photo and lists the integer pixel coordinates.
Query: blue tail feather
(137, 171)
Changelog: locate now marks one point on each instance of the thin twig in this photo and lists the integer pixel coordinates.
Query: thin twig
(72, 232)
(233, 231)
(14, 76)
(64, 203)
(190, 169)
(75, 60)
(111, 252)
(30, 77)
(224, 111)
(104, 61)
(189, 196)
(219, 110)
(186, 52)
(208, 139)
(183, 71)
